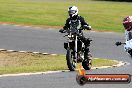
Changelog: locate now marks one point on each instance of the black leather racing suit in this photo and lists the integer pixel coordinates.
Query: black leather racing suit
(81, 22)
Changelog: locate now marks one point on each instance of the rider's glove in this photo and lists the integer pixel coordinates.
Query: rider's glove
(86, 27)
(89, 28)
(62, 31)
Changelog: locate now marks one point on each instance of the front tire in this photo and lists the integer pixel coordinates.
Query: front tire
(70, 60)
(87, 62)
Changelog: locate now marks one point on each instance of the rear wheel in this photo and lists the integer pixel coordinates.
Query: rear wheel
(71, 63)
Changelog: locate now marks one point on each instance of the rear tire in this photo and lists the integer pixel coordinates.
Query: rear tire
(70, 60)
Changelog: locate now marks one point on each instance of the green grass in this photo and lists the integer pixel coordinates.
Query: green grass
(101, 15)
(13, 62)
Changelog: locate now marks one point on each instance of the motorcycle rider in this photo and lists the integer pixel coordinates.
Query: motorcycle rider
(73, 19)
(127, 23)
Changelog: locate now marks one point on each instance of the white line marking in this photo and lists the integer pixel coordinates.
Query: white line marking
(53, 54)
(36, 52)
(22, 51)
(2, 50)
(27, 74)
(49, 72)
(45, 53)
(11, 51)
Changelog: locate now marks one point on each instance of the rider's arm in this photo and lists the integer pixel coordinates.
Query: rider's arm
(67, 25)
(84, 23)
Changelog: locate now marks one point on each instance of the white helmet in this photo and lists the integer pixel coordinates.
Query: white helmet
(73, 11)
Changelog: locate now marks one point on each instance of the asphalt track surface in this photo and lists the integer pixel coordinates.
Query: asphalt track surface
(51, 41)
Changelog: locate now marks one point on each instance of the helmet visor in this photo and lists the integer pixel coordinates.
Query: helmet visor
(127, 25)
(72, 12)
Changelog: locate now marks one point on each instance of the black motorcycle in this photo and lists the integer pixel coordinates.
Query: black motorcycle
(76, 49)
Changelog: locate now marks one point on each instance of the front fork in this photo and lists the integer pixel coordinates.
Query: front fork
(76, 48)
(75, 56)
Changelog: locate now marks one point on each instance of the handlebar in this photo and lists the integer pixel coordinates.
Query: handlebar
(119, 43)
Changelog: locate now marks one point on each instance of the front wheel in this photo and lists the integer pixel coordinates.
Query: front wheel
(71, 63)
(87, 62)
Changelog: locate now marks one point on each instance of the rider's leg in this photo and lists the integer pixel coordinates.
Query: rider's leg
(86, 43)
(65, 45)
